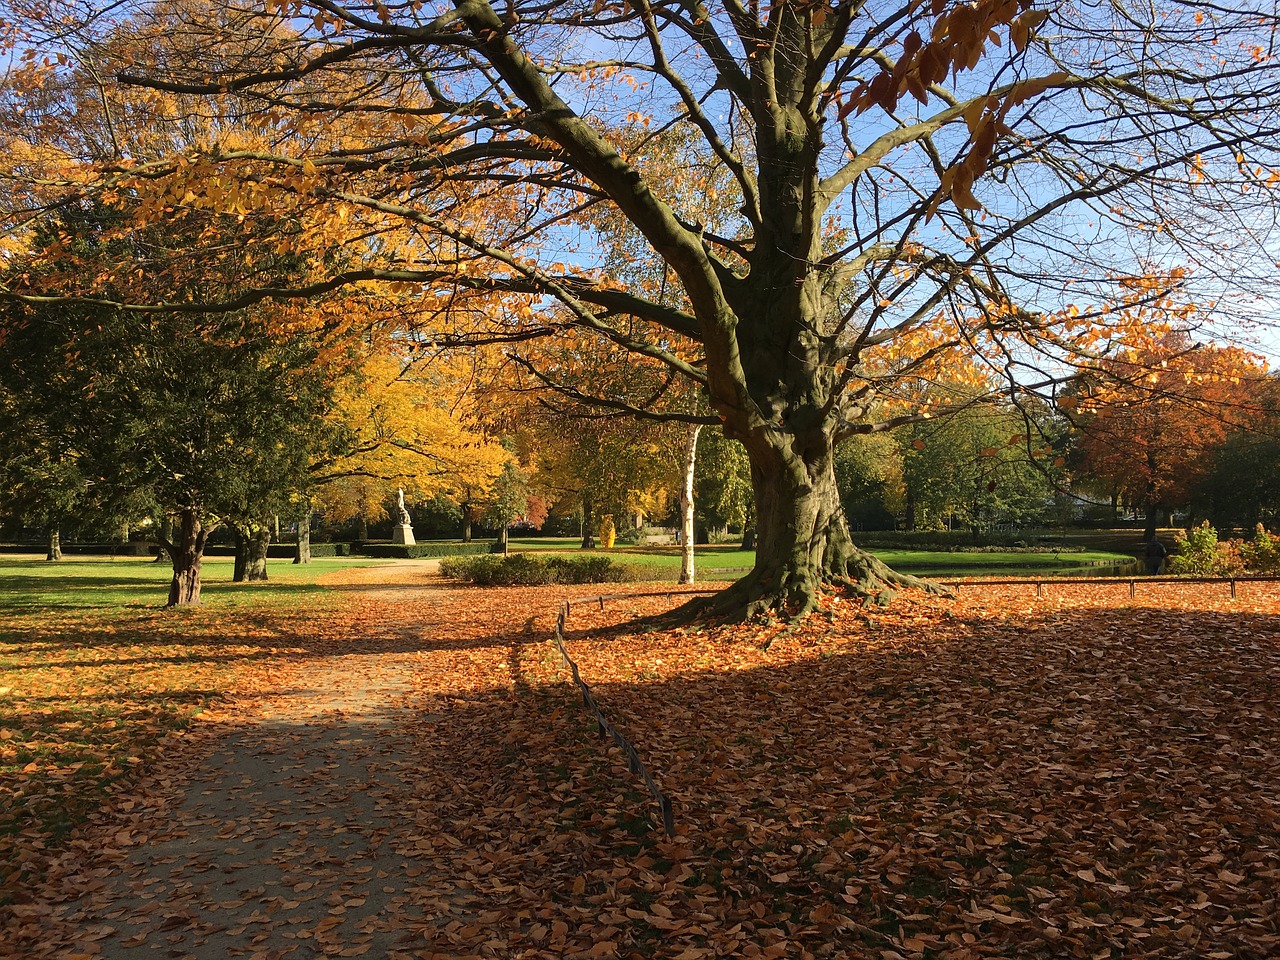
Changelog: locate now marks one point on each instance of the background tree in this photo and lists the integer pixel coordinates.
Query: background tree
(1154, 417)
(869, 472)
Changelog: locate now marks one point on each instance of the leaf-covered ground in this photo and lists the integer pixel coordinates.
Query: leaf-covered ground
(1081, 775)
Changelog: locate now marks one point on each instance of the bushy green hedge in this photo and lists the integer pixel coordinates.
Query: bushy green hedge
(530, 570)
(412, 551)
(1200, 552)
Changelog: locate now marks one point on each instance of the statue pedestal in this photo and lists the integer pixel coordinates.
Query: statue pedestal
(403, 533)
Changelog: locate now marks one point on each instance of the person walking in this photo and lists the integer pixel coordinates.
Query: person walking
(1156, 552)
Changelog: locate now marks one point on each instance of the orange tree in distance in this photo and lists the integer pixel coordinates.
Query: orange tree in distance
(1153, 419)
(889, 187)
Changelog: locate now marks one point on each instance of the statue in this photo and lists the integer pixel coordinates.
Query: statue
(403, 532)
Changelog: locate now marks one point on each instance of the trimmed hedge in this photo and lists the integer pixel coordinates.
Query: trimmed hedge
(530, 570)
(412, 551)
(320, 550)
(285, 551)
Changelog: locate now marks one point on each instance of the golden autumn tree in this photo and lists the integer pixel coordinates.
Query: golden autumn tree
(892, 186)
(1152, 420)
(402, 424)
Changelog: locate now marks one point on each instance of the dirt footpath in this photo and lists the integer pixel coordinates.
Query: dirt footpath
(277, 828)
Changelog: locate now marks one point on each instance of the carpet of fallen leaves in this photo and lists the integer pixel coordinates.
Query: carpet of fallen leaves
(1078, 775)
(87, 696)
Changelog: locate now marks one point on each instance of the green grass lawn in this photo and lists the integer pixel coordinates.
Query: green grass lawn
(106, 584)
(727, 562)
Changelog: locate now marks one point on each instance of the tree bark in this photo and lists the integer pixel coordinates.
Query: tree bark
(466, 523)
(803, 542)
(303, 553)
(187, 552)
(54, 551)
(252, 540)
(165, 535)
(687, 572)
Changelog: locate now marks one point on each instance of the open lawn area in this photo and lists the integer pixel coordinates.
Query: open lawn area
(1076, 775)
(725, 562)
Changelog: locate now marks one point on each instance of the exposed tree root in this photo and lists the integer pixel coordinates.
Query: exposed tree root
(793, 595)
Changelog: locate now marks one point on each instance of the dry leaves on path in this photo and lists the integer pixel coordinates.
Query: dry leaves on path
(1075, 776)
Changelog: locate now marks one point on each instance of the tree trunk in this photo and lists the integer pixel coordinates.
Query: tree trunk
(362, 528)
(588, 527)
(1149, 531)
(303, 553)
(803, 542)
(466, 523)
(165, 535)
(686, 504)
(241, 563)
(504, 538)
(749, 536)
(55, 542)
(187, 551)
(252, 540)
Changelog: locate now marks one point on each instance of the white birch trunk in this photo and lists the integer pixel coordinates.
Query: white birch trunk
(686, 504)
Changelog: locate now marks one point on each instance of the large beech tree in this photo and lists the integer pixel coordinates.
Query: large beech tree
(878, 188)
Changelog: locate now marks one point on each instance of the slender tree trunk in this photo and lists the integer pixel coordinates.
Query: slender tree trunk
(241, 564)
(303, 553)
(187, 552)
(54, 551)
(686, 504)
(504, 538)
(362, 528)
(588, 524)
(466, 523)
(1152, 521)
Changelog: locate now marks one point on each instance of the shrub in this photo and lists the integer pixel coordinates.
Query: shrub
(1262, 553)
(530, 570)
(1199, 552)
